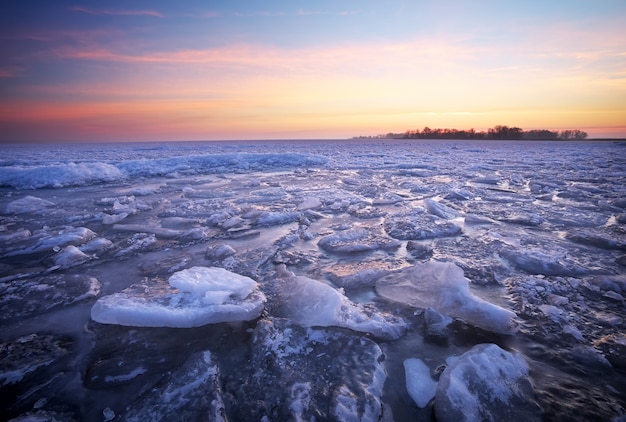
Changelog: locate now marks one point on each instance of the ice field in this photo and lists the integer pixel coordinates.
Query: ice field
(369, 280)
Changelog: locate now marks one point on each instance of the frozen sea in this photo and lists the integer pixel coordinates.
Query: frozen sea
(361, 280)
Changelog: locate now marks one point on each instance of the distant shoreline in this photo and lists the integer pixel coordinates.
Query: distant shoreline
(354, 140)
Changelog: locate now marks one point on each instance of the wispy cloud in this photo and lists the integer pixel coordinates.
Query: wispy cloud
(354, 56)
(237, 55)
(152, 13)
(303, 12)
(299, 12)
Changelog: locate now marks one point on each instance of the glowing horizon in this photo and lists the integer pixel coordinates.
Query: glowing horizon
(81, 72)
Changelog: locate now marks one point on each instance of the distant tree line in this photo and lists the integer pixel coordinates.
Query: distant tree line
(497, 132)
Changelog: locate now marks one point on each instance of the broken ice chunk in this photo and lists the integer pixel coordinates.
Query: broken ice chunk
(205, 295)
(70, 256)
(312, 303)
(215, 285)
(28, 204)
(47, 242)
(486, 383)
(542, 262)
(355, 241)
(442, 285)
(191, 390)
(419, 384)
(309, 203)
(439, 209)
(416, 225)
(22, 298)
(317, 374)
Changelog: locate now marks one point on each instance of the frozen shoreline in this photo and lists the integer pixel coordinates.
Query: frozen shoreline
(536, 228)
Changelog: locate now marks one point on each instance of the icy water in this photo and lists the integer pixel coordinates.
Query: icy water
(348, 280)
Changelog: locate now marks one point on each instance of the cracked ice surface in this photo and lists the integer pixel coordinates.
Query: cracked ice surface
(329, 280)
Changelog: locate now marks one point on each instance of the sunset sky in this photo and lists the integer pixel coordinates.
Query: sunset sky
(196, 70)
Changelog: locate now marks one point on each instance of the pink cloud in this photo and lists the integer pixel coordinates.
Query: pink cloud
(7, 73)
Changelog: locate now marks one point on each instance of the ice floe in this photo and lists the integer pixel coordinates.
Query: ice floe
(22, 297)
(442, 286)
(70, 256)
(439, 209)
(28, 204)
(51, 241)
(195, 297)
(419, 384)
(312, 303)
(316, 374)
(536, 261)
(486, 383)
(28, 354)
(355, 241)
(417, 225)
(190, 390)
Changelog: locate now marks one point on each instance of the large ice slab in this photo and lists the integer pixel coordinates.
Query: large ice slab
(537, 261)
(442, 285)
(49, 241)
(312, 303)
(191, 390)
(486, 383)
(355, 241)
(304, 374)
(195, 297)
(25, 297)
(417, 224)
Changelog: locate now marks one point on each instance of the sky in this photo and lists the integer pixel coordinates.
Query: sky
(222, 70)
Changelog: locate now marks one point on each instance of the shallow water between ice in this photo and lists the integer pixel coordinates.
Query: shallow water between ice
(535, 229)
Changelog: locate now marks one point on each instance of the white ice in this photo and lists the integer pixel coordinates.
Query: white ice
(28, 204)
(70, 173)
(45, 242)
(215, 285)
(355, 241)
(312, 303)
(419, 384)
(486, 383)
(347, 404)
(70, 256)
(439, 209)
(59, 175)
(198, 296)
(309, 203)
(442, 285)
(547, 262)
